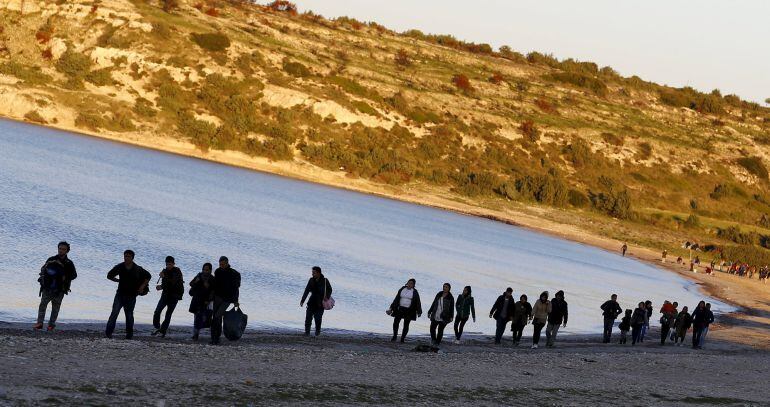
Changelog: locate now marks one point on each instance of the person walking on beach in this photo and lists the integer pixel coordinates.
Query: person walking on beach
(441, 313)
(623, 249)
(502, 312)
(465, 309)
(625, 326)
(539, 317)
(709, 320)
(646, 326)
(611, 309)
(202, 292)
(638, 319)
(681, 325)
(319, 289)
(227, 284)
(559, 314)
(132, 281)
(405, 306)
(55, 279)
(663, 256)
(172, 290)
(666, 320)
(522, 313)
(699, 317)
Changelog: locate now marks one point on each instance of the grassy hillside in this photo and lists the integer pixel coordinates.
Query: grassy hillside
(568, 140)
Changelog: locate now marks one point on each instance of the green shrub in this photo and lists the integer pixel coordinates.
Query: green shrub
(91, 121)
(29, 75)
(645, 151)
(529, 130)
(73, 64)
(144, 108)
(214, 42)
(692, 222)
(611, 199)
(296, 69)
(199, 132)
(747, 253)
(613, 139)
(734, 234)
(577, 198)
(754, 166)
(100, 77)
(578, 153)
(476, 183)
(35, 117)
(580, 80)
(692, 99)
(364, 107)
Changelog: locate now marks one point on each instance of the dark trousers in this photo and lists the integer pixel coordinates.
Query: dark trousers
(127, 304)
(437, 331)
(315, 313)
(55, 299)
(169, 303)
(200, 317)
(220, 306)
(459, 325)
(697, 331)
(608, 324)
(538, 326)
(500, 329)
(665, 329)
(636, 333)
(397, 321)
(623, 337)
(518, 330)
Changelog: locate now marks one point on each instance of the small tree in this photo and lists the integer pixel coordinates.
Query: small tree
(402, 58)
(462, 82)
(529, 130)
(283, 6)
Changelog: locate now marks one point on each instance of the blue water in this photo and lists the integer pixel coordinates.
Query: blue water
(104, 197)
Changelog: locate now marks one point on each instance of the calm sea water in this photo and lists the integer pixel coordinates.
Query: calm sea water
(104, 197)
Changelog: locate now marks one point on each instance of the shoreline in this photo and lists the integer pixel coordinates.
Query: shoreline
(513, 217)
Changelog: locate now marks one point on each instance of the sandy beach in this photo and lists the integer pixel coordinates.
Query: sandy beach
(76, 365)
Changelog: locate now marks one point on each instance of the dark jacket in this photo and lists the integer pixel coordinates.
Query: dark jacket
(448, 313)
(415, 307)
(498, 307)
(682, 323)
(625, 323)
(639, 316)
(129, 281)
(172, 283)
(559, 312)
(316, 288)
(202, 292)
(227, 282)
(522, 312)
(59, 279)
(611, 309)
(465, 307)
(701, 318)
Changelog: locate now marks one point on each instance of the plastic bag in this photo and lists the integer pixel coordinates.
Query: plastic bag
(234, 322)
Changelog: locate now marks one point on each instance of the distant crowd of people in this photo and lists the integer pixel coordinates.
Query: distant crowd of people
(737, 268)
(214, 291)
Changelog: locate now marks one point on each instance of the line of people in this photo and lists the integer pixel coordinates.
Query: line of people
(213, 292)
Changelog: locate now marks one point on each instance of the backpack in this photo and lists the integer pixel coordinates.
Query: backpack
(51, 279)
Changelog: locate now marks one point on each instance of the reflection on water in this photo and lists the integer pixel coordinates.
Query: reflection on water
(104, 197)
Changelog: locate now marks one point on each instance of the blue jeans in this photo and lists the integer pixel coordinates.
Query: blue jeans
(703, 336)
(165, 301)
(608, 324)
(127, 303)
(644, 332)
(501, 323)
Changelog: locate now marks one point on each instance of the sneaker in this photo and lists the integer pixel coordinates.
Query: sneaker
(50, 328)
(37, 326)
(195, 337)
(457, 342)
(534, 346)
(155, 332)
(162, 334)
(393, 339)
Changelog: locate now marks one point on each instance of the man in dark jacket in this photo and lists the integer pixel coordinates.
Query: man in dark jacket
(522, 313)
(227, 282)
(558, 315)
(611, 310)
(55, 279)
(502, 312)
(132, 281)
(319, 289)
(701, 317)
(172, 286)
(709, 320)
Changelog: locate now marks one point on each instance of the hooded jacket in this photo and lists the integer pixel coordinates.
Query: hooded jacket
(448, 313)
(540, 311)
